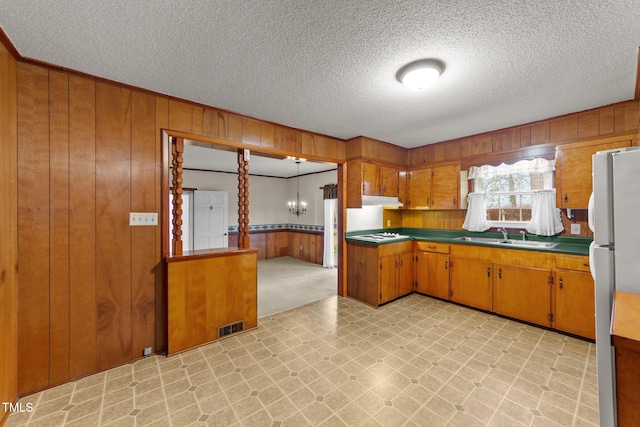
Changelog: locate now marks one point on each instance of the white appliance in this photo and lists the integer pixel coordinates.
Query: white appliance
(614, 211)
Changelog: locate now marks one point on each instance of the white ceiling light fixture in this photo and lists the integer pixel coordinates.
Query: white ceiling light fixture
(421, 74)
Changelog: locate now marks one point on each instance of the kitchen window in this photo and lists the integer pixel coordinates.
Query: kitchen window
(504, 195)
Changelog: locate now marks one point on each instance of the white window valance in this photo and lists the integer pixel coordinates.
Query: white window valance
(524, 166)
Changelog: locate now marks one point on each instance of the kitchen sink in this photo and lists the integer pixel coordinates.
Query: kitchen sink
(510, 242)
(530, 243)
(479, 239)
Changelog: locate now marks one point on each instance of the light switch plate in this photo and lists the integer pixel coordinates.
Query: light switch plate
(143, 218)
(575, 228)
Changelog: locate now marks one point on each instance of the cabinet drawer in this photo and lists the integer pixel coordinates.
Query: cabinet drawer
(575, 262)
(389, 249)
(440, 248)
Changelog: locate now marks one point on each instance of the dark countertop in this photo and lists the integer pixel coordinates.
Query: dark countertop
(566, 245)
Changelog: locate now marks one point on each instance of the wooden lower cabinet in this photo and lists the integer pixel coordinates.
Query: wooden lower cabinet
(575, 303)
(378, 274)
(432, 274)
(524, 293)
(471, 282)
(432, 269)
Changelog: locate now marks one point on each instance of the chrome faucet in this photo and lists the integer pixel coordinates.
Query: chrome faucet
(524, 235)
(505, 236)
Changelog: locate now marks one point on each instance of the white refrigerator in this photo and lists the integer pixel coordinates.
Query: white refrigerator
(614, 217)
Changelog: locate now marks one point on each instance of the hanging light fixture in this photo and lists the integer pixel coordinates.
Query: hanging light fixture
(296, 207)
(420, 74)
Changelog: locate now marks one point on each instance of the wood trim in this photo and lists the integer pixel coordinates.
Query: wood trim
(4, 39)
(636, 93)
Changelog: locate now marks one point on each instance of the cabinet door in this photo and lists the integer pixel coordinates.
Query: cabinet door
(405, 274)
(370, 179)
(445, 187)
(432, 274)
(403, 191)
(389, 181)
(575, 303)
(420, 189)
(573, 173)
(388, 283)
(523, 293)
(471, 282)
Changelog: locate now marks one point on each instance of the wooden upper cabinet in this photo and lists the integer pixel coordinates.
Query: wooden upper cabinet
(573, 170)
(370, 179)
(419, 189)
(434, 188)
(389, 179)
(445, 187)
(371, 182)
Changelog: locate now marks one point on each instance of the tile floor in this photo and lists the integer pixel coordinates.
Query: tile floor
(414, 362)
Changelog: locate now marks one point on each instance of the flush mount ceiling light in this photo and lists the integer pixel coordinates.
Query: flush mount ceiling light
(420, 74)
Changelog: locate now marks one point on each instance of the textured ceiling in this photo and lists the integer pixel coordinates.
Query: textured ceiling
(329, 66)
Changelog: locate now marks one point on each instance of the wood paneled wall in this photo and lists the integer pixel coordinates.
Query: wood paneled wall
(617, 119)
(8, 231)
(366, 148)
(89, 152)
(273, 244)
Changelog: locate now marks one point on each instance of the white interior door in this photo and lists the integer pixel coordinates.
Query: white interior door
(210, 219)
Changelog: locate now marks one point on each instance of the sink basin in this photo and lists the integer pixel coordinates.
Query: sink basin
(530, 243)
(510, 242)
(479, 239)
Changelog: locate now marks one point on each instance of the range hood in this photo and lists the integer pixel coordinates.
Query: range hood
(380, 201)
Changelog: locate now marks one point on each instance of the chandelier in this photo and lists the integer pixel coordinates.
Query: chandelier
(296, 207)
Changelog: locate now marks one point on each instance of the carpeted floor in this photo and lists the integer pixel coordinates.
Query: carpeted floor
(287, 282)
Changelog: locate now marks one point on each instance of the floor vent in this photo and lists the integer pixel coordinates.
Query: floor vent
(231, 328)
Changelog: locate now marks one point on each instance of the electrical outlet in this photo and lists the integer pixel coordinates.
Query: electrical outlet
(388, 223)
(575, 228)
(300, 247)
(143, 218)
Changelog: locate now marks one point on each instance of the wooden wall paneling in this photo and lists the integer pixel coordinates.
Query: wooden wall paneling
(162, 122)
(564, 128)
(223, 125)
(33, 228)
(82, 233)
(259, 242)
(452, 150)
(288, 139)
(626, 117)
(250, 132)
(607, 120)
(180, 116)
(8, 229)
(210, 122)
(439, 152)
(540, 133)
(113, 238)
(235, 128)
(588, 124)
(525, 136)
(267, 135)
(145, 262)
(187, 308)
(282, 243)
(197, 120)
(59, 225)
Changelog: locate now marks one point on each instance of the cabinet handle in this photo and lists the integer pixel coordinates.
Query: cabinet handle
(384, 187)
(433, 248)
(499, 273)
(428, 203)
(455, 199)
(566, 197)
(560, 283)
(401, 262)
(396, 263)
(446, 265)
(379, 188)
(489, 272)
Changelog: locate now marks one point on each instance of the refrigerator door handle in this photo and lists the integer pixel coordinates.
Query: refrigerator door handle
(591, 212)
